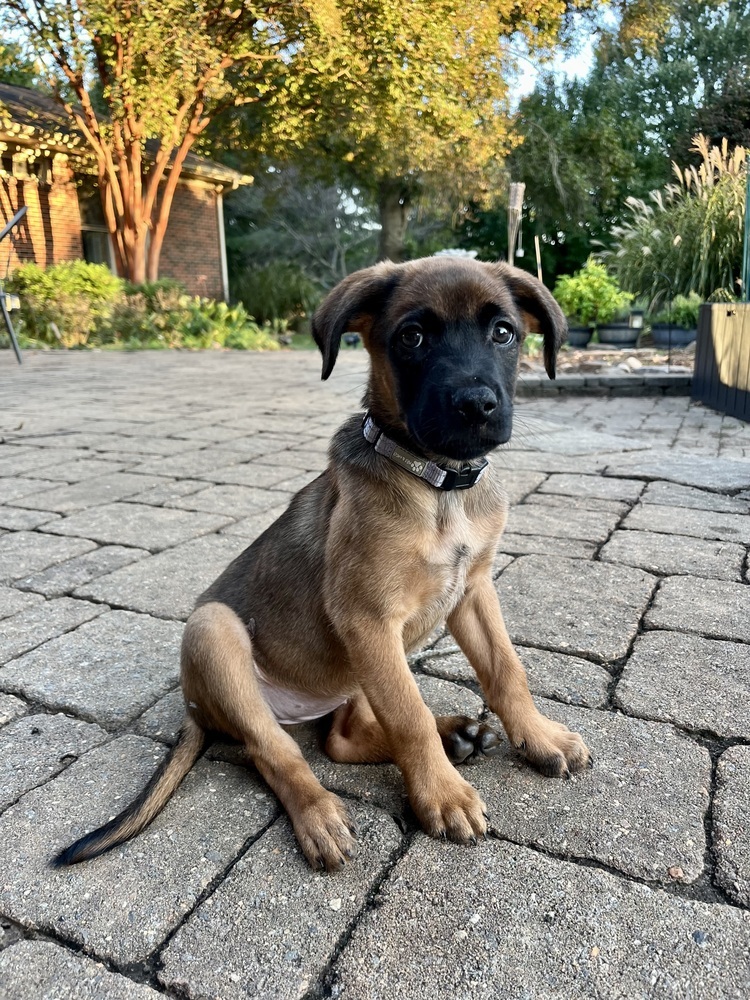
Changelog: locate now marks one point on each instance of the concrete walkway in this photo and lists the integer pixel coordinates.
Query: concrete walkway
(128, 481)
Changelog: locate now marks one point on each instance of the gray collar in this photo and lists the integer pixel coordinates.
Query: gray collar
(434, 474)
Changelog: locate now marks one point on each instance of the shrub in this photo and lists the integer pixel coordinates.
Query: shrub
(74, 298)
(277, 291)
(692, 230)
(88, 305)
(684, 312)
(591, 296)
(179, 320)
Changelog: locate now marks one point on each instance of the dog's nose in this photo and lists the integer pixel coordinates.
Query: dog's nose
(475, 404)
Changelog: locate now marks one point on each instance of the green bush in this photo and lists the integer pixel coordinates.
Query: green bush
(89, 306)
(277, 291)
(70, 304)
(692, 230)
(590, 297)
(684, 313)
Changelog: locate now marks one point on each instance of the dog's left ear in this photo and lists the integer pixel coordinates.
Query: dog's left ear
(351, 306)
(542, 313)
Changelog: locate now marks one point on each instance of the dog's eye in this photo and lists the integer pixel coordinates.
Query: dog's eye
(411, 337)
(503, 333)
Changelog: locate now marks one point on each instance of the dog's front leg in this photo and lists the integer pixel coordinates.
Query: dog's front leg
(445, 804)
(478, 626)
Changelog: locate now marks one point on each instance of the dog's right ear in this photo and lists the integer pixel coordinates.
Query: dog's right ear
(351, 306)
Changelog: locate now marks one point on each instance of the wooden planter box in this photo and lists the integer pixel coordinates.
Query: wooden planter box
(722, 359)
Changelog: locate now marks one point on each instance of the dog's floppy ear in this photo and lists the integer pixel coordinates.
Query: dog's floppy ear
(351, 306)
(544, 314)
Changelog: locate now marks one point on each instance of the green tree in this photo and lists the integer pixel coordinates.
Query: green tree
(162, 72)
(415, 98)
(16, 68)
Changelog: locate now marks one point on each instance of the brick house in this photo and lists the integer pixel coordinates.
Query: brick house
(40, 167)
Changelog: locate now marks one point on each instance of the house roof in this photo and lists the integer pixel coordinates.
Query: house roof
(35, 119)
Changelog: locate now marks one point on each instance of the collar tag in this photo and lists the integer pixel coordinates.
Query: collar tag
(408, 461)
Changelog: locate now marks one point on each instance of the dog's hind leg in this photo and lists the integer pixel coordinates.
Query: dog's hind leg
(222, 690)
(356, 736)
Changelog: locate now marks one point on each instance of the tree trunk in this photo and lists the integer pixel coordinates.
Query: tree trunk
(394, 201)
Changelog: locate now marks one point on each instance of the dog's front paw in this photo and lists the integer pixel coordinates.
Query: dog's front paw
(450, 809)
(325, 832)
(552, 748)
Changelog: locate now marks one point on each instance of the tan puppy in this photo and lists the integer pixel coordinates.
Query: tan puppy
(398, 534)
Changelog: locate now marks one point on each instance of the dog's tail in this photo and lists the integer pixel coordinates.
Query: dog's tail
(191, 743)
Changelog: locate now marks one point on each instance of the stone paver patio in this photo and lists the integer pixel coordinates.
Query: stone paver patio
(128, 481)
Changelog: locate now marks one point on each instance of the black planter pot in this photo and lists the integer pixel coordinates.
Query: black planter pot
(579, 336)
(618, 335)
(680, 336)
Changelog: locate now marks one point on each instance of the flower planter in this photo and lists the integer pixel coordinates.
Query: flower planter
(680, 337)
(721, 378)
(618, 335)
(579, 336)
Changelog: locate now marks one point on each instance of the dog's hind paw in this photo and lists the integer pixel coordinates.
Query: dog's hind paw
(466, 739)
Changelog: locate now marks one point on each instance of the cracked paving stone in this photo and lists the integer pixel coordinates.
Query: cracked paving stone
(251, 527)
(95, 492)
(11, 489)
(731, 827)
(592, 504)
(169, 583)
(45, 971)
(518, 484)
(20, 460)
(11, 708)
(689, 521)
(594, 487)
(674, 495)
(583, 608)
(35, 748)
(235, 501)
(169, 490)
(163, 720)
(65, 576)
(520, 545)
(713, 608)
(696, 683)
(15, 519)
(34, 626)
(76, 472)
(715, 474)
(551, 675)
(29, 552)
(499, 920)
(582, 525)
(273, 925)
(139, 525)
(640, 810)
(122, 906)
(12, 601)
(251, 474)
(109, 670)
(675, 555)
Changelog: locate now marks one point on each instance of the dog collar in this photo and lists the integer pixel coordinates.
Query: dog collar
(423, 468)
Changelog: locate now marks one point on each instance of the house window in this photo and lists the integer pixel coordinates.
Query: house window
(97, 246)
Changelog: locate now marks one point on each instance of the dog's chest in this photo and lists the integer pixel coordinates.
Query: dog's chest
(448, 555)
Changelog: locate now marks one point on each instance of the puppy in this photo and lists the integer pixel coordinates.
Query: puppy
(397, 535)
